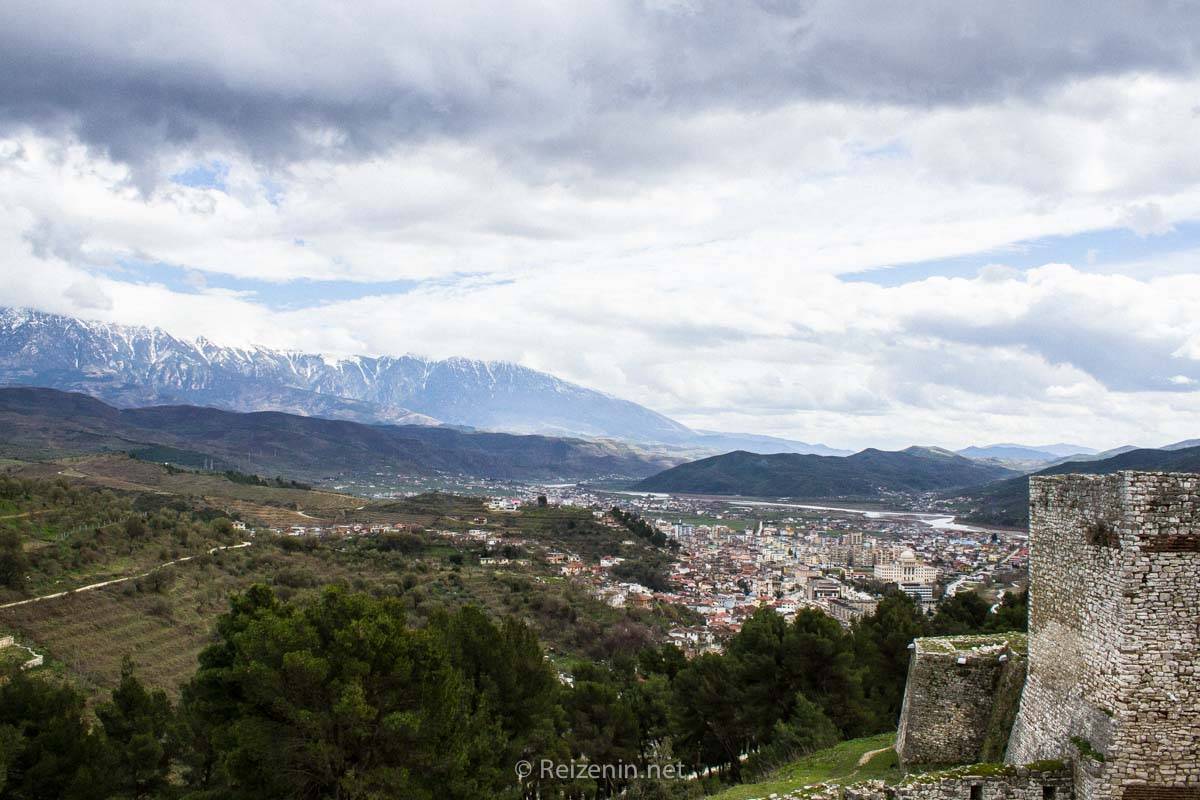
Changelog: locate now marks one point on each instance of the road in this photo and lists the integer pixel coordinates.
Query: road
(102, 584)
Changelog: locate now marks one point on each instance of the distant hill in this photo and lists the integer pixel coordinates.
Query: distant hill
(1102, 455)
(867, 474)
(46, 422)
(1006, 502)
(132, 366)
(1021, 452)
(717, 442)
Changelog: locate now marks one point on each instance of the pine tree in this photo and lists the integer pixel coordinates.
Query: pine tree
(137, 725)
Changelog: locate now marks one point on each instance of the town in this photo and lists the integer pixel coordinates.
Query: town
(732, 557)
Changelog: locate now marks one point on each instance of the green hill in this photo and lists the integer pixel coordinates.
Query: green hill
(864, 475)
(40, 423)
(1006, 502)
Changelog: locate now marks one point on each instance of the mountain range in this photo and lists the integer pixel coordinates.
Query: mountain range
(1019, 454)
(40, 423)
(129, 366)
(865, 475)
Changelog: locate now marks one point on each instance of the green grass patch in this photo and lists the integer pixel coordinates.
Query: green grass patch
(1087, 749)
(837, 764)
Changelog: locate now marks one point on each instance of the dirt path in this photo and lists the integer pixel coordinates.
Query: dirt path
(102, 584)
(865, 758)
(26, 514)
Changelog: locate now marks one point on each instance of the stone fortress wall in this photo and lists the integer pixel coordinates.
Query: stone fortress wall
(1110, 708)
(1034, 782)
(1114, 634)
(960, 698)
(1043, 781)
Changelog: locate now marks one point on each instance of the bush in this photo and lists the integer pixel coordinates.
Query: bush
(295, 577)
(13, 562)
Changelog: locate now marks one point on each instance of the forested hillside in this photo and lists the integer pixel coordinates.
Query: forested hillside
(863, 475)
(1006, 502)
(46, 422)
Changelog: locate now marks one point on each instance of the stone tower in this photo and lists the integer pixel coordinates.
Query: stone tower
(1114, 634)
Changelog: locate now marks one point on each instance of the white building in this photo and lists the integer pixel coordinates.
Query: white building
(906, 569)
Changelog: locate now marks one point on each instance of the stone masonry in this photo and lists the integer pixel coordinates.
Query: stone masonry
(1114, 634)
(1049, 781)
(962, 691)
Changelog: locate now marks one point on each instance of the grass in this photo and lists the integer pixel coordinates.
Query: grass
(837, 764)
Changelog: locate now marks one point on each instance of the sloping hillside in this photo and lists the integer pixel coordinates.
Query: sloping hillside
(46, 422)
(866, 474)
(1006, 502)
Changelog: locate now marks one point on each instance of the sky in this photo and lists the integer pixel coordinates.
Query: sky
(859, 223)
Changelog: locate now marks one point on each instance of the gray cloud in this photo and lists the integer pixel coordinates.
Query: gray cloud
(281, 82)
(1095, 343)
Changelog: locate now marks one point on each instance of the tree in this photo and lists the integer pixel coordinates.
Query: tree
(135, 527)
(708, 728)
(965, 612)
(757, 654)
(337, 698)
(602, 724)
(45, 746)
(13, 563)
(510, 678)
(881, 641)
(806, 731)
(1013, 613)
(137, 739)
(821, 664)
(10, 746)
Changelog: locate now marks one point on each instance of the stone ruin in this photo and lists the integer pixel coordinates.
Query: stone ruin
(1110, 706)
(961, 698)
(34, 660)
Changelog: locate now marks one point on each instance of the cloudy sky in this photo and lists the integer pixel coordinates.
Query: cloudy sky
(853, 223)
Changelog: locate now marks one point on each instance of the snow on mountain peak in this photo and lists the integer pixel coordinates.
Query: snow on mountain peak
(137, 365)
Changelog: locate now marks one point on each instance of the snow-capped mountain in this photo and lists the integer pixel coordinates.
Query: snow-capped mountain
(136, 366)
(131, 366)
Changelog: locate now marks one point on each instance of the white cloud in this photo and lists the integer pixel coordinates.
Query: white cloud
(650, 228)
(87, 295)
(1146, 219)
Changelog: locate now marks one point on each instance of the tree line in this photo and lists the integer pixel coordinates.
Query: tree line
(341, 697)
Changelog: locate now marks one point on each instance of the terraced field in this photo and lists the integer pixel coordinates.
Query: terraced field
(89, 633)
(164, 619)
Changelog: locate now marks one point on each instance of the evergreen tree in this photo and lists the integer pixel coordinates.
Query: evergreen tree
(705, 714)
(46, 748)
(1013, 613)
(821, 665)
(881, 643)
(138, 747)
(965, 612)
(509, 678)
(338, 699)
(756, 655)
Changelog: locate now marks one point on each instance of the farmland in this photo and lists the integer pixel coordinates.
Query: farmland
(111, 517)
